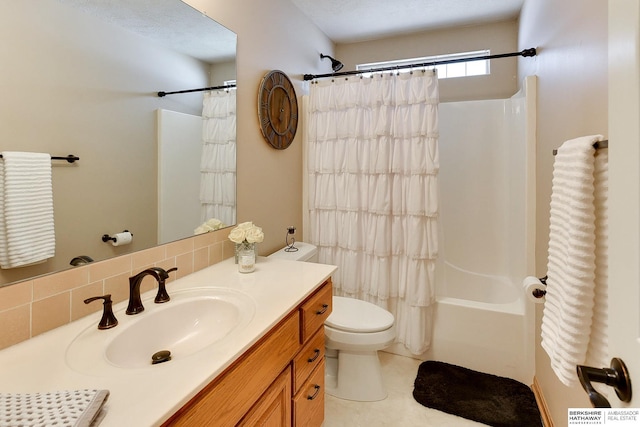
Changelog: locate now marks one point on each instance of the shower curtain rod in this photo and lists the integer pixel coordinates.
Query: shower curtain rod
(597, 145)
(202, 89)
(525, 53)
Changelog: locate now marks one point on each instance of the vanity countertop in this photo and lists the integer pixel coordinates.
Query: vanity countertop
(149, 396)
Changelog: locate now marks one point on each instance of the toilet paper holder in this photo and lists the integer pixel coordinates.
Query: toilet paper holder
(540, 293)
(106, 238)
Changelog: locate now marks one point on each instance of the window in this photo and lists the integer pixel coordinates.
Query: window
(445, 71)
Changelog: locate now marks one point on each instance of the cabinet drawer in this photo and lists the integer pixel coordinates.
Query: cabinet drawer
(315, 311)
(308, 404)
(309, 357)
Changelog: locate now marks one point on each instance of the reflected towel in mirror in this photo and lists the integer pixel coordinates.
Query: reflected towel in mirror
(27, 233)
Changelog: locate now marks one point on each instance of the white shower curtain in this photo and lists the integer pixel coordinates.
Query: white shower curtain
(218, 161)
(372, 185)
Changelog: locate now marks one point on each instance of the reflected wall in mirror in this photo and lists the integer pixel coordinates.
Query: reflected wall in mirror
(82, 77)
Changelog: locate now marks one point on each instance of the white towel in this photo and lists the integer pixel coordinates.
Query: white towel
(74, 408)
(571, 288)
(26, 209)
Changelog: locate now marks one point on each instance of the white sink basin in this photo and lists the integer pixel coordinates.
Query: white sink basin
(193, 320)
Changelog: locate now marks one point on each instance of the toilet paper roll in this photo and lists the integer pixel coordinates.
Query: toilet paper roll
(530, 284)
(123, 238)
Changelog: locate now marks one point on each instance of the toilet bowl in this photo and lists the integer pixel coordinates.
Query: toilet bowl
(354, 332)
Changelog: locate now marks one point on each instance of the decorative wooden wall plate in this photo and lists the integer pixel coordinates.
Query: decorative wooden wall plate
(277, 109)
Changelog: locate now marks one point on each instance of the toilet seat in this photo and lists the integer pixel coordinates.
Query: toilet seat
(353, 315)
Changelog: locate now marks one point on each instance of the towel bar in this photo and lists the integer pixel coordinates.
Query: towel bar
(70, 158)
(597, 145)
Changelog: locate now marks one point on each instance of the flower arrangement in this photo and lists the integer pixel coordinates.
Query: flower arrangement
(246, 233)
(212, 224)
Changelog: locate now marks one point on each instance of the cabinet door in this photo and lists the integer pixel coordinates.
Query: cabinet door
(274, 407)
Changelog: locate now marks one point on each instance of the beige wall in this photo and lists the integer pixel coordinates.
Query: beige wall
(499, 37)
(571, 37)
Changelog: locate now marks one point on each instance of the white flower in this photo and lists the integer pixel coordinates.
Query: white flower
(255, 235)
(201, 229)
(212, 224)
(237, 235)
(246, 232)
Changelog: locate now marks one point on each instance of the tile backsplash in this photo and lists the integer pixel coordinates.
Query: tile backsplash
(38, 305)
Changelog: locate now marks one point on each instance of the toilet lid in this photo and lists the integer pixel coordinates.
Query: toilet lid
(353, 315)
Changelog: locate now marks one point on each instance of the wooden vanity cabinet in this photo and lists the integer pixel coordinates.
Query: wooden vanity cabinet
(278, 382)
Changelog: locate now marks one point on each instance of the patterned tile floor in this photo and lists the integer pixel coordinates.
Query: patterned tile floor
(398, 409)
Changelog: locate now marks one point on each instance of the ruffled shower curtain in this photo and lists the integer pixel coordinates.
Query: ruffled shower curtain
(372, 185)
(218, 160)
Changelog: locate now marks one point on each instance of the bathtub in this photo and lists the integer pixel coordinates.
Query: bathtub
(482, 323)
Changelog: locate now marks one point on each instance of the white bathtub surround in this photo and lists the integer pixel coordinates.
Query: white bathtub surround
(482, 319)
(218, 161)
(372, 170)
(568, 314)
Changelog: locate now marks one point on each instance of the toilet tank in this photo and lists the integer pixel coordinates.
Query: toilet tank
(306, 252)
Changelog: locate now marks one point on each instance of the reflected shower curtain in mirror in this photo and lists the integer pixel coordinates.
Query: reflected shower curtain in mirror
(218, 161)
(372, 185)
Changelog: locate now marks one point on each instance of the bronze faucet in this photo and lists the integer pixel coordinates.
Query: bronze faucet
(135, 302)
(108, 320)
(162, 295)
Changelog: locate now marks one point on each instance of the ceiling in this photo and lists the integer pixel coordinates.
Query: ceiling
(172, 23)
(345, 21)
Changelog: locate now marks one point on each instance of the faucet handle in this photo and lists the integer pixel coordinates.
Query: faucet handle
(108, 320)
(162, 295)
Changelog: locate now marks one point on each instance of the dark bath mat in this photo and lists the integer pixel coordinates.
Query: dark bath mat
(488, 399)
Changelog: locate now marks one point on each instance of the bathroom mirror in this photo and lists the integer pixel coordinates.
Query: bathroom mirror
(81, 77)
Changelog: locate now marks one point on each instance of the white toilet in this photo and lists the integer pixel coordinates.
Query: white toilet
(354, 332)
